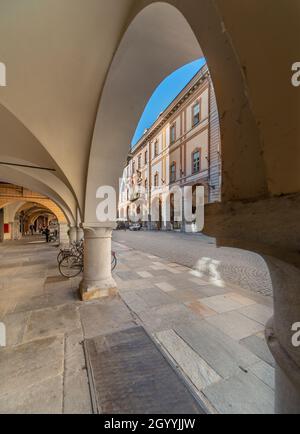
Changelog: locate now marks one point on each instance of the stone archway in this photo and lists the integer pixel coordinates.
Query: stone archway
(242, 112)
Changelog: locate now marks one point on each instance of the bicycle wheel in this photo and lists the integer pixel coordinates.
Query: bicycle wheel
(62, 254)
(113, 261)
(70, 266)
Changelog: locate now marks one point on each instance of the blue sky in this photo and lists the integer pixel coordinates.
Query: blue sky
(164, 94)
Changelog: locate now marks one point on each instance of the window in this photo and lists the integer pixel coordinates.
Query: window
(156, 182)
(155, 148)
(133, 167)
(196, 114)
(146, 157)
(173, 172)
(139, 162)
(146, 185)
(173, 134)
(196, 161)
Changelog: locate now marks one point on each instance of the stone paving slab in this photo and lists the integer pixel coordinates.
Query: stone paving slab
(224, 303)
(166, 317)
(222, 353)
(200, 309)
(42, 398)
(235, 325)
(154, 297)
(243, 393)
(15, 326)
(29, 364)
(257, 345)
(265, 373)
(195, 368)
(51, 322)
(105, 316)
(258, 313)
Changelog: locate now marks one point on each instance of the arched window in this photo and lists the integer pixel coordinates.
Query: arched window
(146, 156)
(156, 180)
(173, 172)
(196, 155)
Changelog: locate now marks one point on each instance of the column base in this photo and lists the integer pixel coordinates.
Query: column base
(97, 290)
(287, 378)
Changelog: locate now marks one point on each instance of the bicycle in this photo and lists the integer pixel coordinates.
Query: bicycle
(72, 250)
(72, 265)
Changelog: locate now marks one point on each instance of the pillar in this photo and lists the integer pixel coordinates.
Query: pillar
(79, 234)
(183, 222)
(63, 234)
(72, 234)
(97, 278)
(282, 338)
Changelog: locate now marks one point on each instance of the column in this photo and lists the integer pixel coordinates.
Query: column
(72, 234)
(79, 234)
(183, 222)
(282, 335)
(63, 234)
(97, 278)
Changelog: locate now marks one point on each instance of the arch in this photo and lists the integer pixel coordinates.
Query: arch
(47, 205)
(22, 147)
(13, 196)
(142, 50)
(126, 87)
(49, 187)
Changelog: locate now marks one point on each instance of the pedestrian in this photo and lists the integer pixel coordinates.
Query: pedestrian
(47, 233)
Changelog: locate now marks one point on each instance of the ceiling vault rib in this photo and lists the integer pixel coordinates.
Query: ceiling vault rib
(27, 166)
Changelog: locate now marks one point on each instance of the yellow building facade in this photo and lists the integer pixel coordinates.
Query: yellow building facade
(182, 148)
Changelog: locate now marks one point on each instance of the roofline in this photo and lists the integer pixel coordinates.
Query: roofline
(162, 117)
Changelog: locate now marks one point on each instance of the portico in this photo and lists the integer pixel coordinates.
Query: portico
(69, 106)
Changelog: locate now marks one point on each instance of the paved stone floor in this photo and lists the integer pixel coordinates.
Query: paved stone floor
(212, 332)
(238, 267)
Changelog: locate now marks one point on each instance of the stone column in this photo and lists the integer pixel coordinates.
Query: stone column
(183, 222)
(63, 234)
(72, 234)
(282, 336)
(97, 278)
(80, 234)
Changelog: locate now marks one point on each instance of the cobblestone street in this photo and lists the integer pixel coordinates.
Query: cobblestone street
(212, 333)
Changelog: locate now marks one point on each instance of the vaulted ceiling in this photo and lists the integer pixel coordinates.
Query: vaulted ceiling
(79, 74)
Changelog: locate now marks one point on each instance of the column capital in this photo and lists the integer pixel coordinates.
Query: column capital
(100, 230)
(99, 225)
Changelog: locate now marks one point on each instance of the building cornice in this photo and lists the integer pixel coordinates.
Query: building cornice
(175, 105)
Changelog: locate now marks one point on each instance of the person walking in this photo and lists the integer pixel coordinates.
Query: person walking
(47, 233)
